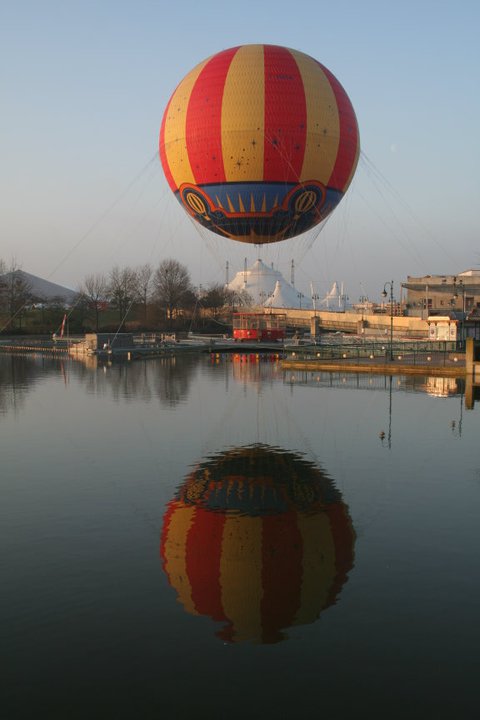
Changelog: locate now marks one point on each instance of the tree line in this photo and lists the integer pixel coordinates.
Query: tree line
(15, 294)
(143, 298)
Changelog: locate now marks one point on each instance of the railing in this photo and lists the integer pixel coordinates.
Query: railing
(434, 352)
(153, 338)
(32, 346)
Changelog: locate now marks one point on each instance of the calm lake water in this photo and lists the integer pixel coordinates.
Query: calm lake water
(193, 538)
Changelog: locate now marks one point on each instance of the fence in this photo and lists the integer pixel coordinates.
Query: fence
(422, 353)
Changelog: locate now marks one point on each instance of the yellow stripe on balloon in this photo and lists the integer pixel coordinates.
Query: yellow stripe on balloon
(318, 565)
(175, 129)
(241, 576)
(323, 127)
(176, 554)
(243, 110)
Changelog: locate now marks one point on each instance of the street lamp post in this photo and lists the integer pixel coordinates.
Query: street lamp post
(453, 300)
(462, 325)
(315, 297)
(384, 293)
(453, 303)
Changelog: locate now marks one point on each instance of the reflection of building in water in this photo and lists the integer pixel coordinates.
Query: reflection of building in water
(255, 367)
(441, 386)
(363, 381)
(258, 539)
(91, 361)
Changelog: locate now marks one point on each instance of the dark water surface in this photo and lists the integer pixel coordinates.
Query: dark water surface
(197, 538)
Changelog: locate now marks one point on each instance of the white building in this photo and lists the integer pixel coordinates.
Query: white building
(262, 282)
(334, 300)
(267, 287)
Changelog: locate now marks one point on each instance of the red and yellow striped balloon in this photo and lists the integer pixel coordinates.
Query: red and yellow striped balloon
(259, 143)
(258, 539)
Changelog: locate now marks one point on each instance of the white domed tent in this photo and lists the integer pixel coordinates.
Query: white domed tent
(285, 296)
(333, 300)
(268, 287)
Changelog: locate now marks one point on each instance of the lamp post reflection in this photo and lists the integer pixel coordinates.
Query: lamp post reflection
(382, 433)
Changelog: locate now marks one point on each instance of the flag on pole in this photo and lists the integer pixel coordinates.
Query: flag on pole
(62, 327)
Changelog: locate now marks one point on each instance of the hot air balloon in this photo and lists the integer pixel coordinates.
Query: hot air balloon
(259, 143)
(258, 539)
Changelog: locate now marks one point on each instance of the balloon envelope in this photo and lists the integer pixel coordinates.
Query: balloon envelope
(259, 143)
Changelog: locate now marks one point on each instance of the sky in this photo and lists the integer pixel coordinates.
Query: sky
(84, 85)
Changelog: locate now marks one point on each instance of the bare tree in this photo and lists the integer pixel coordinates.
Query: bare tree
(240, 298)
(144, 286)
(93, 292)
(3, 285)
(15, 293)
(122, 290)
(216, 297)
(172, 287)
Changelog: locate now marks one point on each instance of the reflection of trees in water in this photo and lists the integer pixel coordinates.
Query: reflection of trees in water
(117, 381)
(17, 375)
(173, 382)
(166, 378)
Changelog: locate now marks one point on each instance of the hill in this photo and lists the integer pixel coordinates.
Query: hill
(44, 290)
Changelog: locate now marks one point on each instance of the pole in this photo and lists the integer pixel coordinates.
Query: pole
(390, 413)
(384, 293)
(391, 320)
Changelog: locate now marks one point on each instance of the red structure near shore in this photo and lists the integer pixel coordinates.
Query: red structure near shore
(260, 327)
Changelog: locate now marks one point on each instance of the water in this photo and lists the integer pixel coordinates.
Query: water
(196, 538)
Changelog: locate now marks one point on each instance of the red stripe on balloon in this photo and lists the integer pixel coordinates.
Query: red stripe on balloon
(348, 141)
(282, 555)
(284, 98)
(203, 553)
(163, 154)
(204, 120)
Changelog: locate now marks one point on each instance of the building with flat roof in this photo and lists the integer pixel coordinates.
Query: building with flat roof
(441, 294)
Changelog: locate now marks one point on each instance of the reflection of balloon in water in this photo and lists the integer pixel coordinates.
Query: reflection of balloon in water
(259, 143)
(259, 539)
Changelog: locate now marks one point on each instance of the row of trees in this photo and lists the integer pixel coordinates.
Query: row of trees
(144, 297)
(166, 293)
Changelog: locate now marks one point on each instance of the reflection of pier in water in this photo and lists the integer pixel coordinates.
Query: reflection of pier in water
(437, 386)
(259, 539)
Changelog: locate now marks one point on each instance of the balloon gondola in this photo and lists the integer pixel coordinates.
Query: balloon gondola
(259, 143)
(258, 539)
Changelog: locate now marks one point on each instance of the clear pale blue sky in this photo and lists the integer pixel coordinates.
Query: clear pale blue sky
(84, 86)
